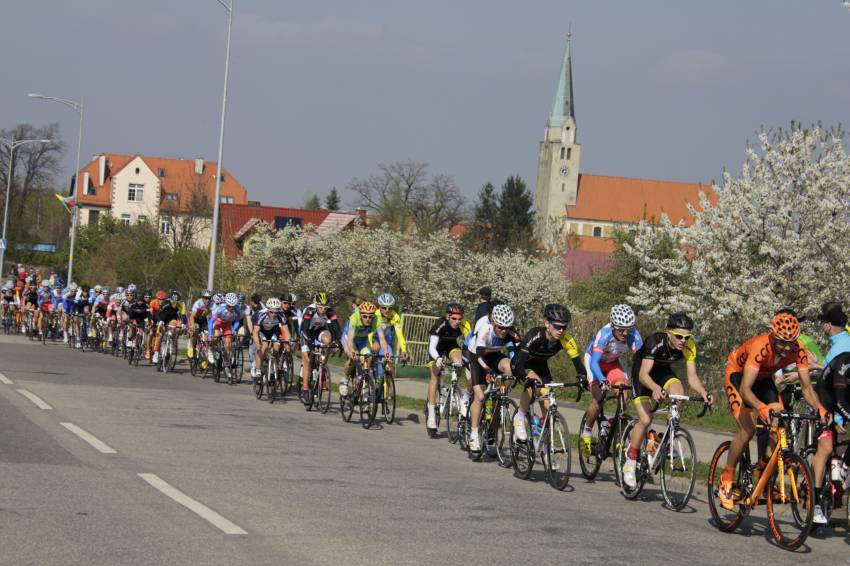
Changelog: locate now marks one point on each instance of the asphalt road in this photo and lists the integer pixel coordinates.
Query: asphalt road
(302, 488)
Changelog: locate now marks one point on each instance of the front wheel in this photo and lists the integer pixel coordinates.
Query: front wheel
(557, 452)
(324, 389)
(504, 431)
(522, 451)
(640, 463)
(678, 469)
(590, 458)
(388, 400)
(790, 502)
(725, 520)
(346, 402)
(453, 415)
(368, 404)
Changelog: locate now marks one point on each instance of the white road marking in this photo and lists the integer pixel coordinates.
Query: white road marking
(6, 380)
(37, 401)
(95, 442)
(199, 508)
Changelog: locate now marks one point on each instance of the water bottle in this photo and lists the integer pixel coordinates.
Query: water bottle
(652, 440)
(604, 426)
(535, 425)
(444, 393)
(837, 469)
(488, 409)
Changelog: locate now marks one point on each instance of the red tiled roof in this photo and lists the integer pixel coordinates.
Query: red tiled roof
(625, 199)
(180, 178)
(235, 218)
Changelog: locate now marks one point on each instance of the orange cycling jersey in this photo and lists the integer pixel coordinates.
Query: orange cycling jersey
(757, 353)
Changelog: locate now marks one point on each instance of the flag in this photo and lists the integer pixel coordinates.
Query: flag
(67, 202)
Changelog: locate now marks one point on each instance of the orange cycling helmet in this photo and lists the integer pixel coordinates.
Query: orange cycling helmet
(785, 326)
(161, 295)
(367, 308)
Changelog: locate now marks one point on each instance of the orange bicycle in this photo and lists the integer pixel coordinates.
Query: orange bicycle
(785, 485)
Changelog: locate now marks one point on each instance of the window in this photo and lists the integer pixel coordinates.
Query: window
(161, 172)
(169, 196)
(91, 190)
(597, 231)
(136, 193)
(222, 177)
(93, 216)
(165, 227)
(137, 170)
(142, 219)
(569, 153)
(284, 221)
(562, 153)
(226, 200)
(562, 187)
(125, 219)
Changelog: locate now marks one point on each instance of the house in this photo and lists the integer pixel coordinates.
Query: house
(238, 222)
(175, 194)
(586, 209)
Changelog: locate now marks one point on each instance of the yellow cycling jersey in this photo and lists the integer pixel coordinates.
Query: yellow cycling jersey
(392, 324)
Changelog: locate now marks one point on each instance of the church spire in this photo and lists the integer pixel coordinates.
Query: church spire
(563, 107)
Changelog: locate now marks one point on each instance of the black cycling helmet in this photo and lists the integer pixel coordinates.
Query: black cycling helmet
(255, 298)
(454, 308)
(286, 298)
(680, 320)
(554, 312)
(175, 295)
(148, 293)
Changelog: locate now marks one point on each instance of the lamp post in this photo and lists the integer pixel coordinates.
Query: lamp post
(78, 107)
(11, 144)
(217, 203)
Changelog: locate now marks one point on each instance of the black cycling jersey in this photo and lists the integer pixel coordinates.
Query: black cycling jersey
(30, 296)
(536, 349)
(137, 310)
(167, 312)
(313, 323)
(833, 385)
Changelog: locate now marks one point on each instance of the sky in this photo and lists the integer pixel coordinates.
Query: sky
(322, 92)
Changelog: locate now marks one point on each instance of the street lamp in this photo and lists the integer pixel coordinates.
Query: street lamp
(217, 203)
(78, 107)
(11, 144)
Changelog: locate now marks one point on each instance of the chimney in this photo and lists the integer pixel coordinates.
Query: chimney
(199, 166)
(361, 214)
(101, 170)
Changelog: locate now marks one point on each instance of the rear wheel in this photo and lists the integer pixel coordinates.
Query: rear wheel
(790, 502)
(725, 520)
(523, 450)
(503, 432)
(590, 461)
(346, 402)
(640, 463)
(285, 373)
(557, 452)
(678, 470)
(368, 404)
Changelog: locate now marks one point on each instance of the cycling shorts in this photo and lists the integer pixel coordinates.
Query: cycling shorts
(764, 390)
(272, 335)
(662, 375)
(612, 371)
(478, 374)
(540, 368)
(445, 348)
(46, 307)
(307, 345)
(225, 327)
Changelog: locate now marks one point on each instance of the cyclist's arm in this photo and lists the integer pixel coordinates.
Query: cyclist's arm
(595, 368)
(693, 379)
(808, 391)
(402, 342)
(349, 341)
(432, 346)
(645, 379)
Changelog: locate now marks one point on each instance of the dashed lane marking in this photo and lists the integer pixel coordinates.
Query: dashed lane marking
(95, 442)
(5, 380)
(37, 401)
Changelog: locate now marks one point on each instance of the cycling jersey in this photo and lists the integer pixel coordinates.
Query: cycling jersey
(30, 297)
(313, 324)
(169, 311)
(269, 327)
(606, 349)
(534, 352)
(487, 350)
(658, 349)
(137, 310)
(443, 338)
(360, 330)
(225, 318)
(391, 327)
(833, 385)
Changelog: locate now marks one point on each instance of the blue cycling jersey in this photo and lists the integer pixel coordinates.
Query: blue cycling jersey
(604, 348)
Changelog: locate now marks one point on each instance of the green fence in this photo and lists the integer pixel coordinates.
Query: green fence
(416, 328)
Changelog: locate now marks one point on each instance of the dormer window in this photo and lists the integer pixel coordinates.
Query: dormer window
(161, 172)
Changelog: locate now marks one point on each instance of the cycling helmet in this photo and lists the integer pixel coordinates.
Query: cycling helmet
(321, 299)
(273, 304)
(231, 299)
(386, 300)
(98, 288)
(218, 298)
(105, 290)
(207, 294)
(131, 295)
(241, 297)
(175, 295)
(554, 312)
(161, 294)
(119, 289)
(294, 298)
(680, 320)
(131, 288)
(503, 315)
(454, 308)
(622, 316)
(366, 308)
(286, 298)
(73, 286)
(147, 294)
(45, 283)
(785, 326)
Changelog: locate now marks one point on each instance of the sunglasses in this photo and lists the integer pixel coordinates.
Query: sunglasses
(558, 327)
(366, 316)
(456, 318)
(680, 336)
(622, 328)
(786, 343)
(499, 327)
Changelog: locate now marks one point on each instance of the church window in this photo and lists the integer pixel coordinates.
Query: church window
(562, 153)
(597, 231)
(569, 153)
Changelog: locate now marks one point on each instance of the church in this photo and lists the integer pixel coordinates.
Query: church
(591, 207)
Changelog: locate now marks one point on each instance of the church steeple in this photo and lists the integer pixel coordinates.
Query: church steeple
(563, 107)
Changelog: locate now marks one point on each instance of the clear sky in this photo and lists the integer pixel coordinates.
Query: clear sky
(321, 92)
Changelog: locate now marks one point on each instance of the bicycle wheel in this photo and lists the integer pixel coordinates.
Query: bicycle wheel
(452, 416)
(591, 461)
(557, 452)
(724, 519)
(388, 400)
(523, 451)
(194, 363)
(502, 441)
(285, 373)
(325, 389)
(346, 402)
(790, 502)
(641, 472)
(368, 404)
(678, 469)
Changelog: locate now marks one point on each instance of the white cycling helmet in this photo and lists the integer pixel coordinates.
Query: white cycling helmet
(73, 286)
(218, 299)
(231, 299)
(622, 316)
(97, 288)
(386, 300)
(131, 288)
(503, 315)
(273, 304)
